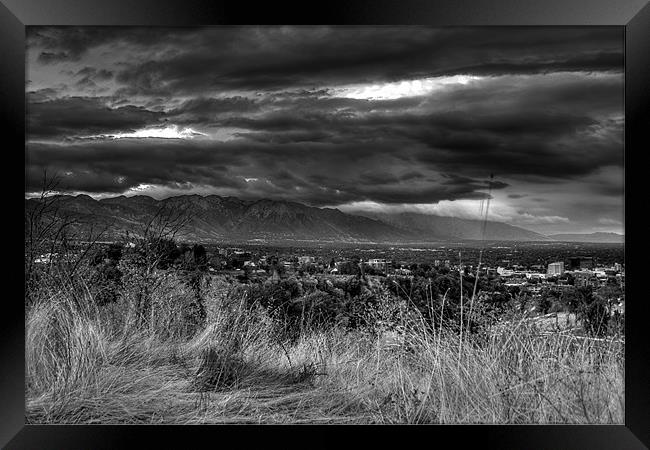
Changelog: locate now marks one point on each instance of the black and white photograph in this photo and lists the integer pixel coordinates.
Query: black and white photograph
(324, 225)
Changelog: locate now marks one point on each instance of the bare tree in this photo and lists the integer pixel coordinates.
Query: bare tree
(152, 247)
(51, 257)
(45, 229)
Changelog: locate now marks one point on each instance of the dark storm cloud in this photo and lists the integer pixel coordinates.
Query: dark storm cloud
(292, 112)
(48, 57)
(282, 172)
(356, 59)
(319, 144)
(42, 95)
(90, 76)
(119, 165)
(91, 72)
(292, 136)
(72, 43)
(524, 158)
(207, 110)
(276, 58)
(520, 142)
(553, 93)
(598, 62)
(452, 129)
(76, 116)
(411, 175)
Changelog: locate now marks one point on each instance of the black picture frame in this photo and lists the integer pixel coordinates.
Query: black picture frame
(633, 16)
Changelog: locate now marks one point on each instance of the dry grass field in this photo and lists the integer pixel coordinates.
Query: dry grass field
(87, 364)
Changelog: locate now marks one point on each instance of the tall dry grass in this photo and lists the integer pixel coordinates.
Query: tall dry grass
(85, 366)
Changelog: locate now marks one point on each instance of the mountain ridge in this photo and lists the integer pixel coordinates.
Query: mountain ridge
(216, 218)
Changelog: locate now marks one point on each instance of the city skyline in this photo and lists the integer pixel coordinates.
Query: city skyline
(359, 118)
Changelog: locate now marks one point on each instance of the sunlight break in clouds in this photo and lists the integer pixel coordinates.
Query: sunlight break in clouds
(170, 132)
(406, 88)
(466, 209)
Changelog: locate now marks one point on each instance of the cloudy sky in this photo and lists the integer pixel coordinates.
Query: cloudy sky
(358, 118)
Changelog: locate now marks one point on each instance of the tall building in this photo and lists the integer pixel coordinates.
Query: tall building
(556, 268)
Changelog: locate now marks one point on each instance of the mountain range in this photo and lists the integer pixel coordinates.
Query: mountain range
(215, 218)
